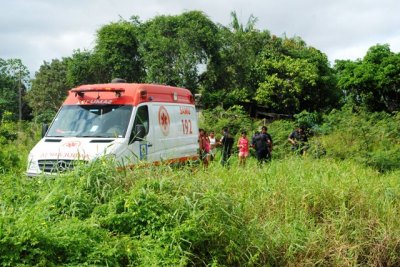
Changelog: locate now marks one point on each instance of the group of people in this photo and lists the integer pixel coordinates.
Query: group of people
(260, 141)
(207, 146)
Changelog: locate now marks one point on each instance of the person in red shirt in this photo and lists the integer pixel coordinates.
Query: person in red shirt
(204, 146)
(243, 145)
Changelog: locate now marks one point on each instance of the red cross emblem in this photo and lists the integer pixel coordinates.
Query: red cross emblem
(72, 144)
(163, 120)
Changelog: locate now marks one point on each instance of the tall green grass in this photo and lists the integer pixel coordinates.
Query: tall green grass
(337, 208)
(368, 138)
(16, 140)
(292, 211)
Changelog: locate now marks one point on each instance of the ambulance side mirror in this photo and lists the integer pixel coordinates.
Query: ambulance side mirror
(45, 127)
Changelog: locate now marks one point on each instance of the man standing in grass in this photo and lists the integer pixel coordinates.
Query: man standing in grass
(298, 139)
(263, 145)
(227, 144)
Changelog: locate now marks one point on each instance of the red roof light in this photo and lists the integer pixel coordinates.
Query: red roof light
(81, 91)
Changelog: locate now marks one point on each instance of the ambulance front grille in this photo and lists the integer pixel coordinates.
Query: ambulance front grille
(57, 166)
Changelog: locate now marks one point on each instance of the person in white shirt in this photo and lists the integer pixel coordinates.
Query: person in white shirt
(213, 144)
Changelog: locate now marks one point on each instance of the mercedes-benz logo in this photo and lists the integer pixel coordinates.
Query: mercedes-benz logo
(62, 166)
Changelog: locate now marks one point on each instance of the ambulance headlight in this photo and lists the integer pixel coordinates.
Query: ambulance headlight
(33, 165)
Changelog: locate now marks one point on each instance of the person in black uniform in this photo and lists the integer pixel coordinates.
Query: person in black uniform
(298, 139)
(262, 143)
(227, 144)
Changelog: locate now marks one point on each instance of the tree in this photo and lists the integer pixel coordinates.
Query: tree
(82, 69)
(229, 79)
(116, 54)
(374, 81)
(324, 94)
(292, 77)
(283, 74)
(49, 88)
(14, 78)
(174, 48)
(285, 80)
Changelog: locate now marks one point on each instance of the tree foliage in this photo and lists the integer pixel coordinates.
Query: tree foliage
(228, 79)
(373, 81)
(228, 65)
(175, 47)
(14, 78)
(82, 69)
(293, 77)
(49, 88)
(117, 52)
(283, 74)
(284, 83)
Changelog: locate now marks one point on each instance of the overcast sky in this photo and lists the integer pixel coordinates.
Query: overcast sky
(41, 30)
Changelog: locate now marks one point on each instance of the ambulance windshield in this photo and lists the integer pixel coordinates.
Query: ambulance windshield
(106, 121)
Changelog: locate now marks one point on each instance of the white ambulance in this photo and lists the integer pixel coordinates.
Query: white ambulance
(132, 123)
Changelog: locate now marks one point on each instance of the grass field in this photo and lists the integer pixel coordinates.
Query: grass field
(291, 212)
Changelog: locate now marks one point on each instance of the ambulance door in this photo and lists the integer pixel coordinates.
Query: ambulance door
(141, 136)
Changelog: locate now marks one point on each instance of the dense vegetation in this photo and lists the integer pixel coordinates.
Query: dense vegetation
(338, 206)
(291, 212)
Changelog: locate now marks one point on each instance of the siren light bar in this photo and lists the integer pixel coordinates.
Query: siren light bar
(81, 91)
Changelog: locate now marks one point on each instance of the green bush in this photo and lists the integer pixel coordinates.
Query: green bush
(235, 118)
(16, 139)
(369, 138)
(280, 130)
(8, 129)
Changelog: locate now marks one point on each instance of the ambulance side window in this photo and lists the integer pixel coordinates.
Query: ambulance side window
(140, 125)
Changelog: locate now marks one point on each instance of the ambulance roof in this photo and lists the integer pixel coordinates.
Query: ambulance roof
(127, 94)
